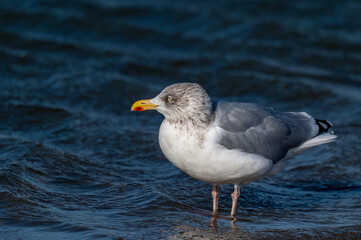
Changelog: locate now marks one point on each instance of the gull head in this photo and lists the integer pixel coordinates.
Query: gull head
(180, 102)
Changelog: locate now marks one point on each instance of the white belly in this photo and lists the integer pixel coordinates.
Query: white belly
(209, 161)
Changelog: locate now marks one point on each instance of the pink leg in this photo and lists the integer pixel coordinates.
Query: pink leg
(215, 195)
(235, 196)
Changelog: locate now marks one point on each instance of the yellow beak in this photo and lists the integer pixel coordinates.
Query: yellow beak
(143, 105)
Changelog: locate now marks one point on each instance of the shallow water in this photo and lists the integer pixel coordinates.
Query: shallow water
(76, 163)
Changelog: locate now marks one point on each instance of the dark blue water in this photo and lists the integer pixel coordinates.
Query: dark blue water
(75, 163)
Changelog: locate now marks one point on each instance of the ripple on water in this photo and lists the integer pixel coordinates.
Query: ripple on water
(75, 163)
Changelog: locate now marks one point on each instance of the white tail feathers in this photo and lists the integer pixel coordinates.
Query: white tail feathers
(320, 139)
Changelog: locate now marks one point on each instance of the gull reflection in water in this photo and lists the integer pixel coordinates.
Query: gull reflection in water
(233, 220)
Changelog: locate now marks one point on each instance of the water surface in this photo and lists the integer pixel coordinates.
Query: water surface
(76, 163)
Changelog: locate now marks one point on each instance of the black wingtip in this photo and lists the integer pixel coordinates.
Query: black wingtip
(323, 126)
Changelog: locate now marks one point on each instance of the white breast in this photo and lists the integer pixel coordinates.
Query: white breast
(180, 147)
(209, 161)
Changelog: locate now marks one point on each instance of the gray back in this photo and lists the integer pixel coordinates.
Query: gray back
(253, 128)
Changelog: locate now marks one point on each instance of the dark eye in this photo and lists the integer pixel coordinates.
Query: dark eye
(170, 99)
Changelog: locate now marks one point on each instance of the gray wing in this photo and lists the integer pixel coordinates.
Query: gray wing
(256, 129)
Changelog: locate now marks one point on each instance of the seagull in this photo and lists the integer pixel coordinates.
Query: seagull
(229, 142)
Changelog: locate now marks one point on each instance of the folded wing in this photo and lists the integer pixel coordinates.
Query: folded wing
(253, 128)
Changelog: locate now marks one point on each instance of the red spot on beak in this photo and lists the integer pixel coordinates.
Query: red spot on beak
(139, 109)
